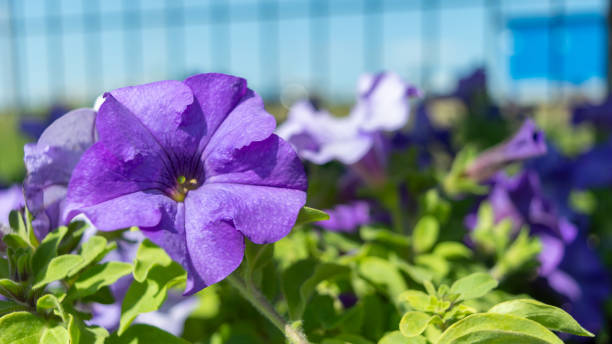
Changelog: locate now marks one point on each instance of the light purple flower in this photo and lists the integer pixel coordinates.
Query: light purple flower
(50, 163)
(196, 166)
(347, 217)
(382, 105)
(10, 199)
(527, 143)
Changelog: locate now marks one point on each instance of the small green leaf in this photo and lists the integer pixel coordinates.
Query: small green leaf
(452, 250)
(309, 215)
(15, 241)
(99, 276)
(22, 328)
(396, 337)
(257, 256)
(91, 251)
(425, 234)
(414, 323)
(300, 280)
(552, 317)
(10, 307)
(418, 300)
(149, 255)
(384, 236)
(47, 302)
(149, 295)
(382, 273)
(55, 335)
(145, 334)
(474, 285)
(17, 224)
(57, 269)
(10, 288)
(4, 268)
(506, 329)
(47, 249)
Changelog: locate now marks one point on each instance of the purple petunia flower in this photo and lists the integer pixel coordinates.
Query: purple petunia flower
(527, 143)
(598, 114)
(382, 105)
(50, 163)
(196, 166)
(471, 85)
(347, 217)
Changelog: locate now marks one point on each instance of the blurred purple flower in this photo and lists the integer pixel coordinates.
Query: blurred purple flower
(382, 105)
(34, 126)
(471, 85)
(10, 199)
(598, 114)
(527, 143)
(196, 166)
(583, 282)
(347, 217)
(592, 168)
(50, 162)
(520, 199)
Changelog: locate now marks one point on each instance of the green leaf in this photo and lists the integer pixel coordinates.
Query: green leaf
(10, 288)
(383, 236)
(552, 317)
(257, 256)
(91, 251)
(21, 328)
(418, 300)
(147, 257)
(99, 276)
(383, 273)
(56, 335)
(346, 338)
(452, 250)
(15, 241)
(510, 329)
(425, 234)
(474, 285)
(47, 249)
(57, 269)
(300, 280)
(145, 334)
(149, 295)
(47, 302)
(396, 337)
(309, 215)
(4, 268)
(10, 307)
(17, 224)
(414, 323)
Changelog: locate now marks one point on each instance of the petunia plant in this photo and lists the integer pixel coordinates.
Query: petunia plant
(172, 212)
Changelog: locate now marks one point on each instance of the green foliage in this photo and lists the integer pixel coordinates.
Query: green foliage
(145, 334)
(309, 215)
(425, 234)
(473, 286)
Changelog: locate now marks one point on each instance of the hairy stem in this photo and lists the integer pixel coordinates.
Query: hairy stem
(259, 301)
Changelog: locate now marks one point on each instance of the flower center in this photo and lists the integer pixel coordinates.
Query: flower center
(183, 185)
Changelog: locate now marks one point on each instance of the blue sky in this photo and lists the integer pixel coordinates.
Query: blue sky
(467, 39)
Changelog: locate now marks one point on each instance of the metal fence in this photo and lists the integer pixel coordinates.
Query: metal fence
(72, 50)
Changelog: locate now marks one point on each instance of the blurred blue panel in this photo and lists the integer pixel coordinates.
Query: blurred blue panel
(570, 48)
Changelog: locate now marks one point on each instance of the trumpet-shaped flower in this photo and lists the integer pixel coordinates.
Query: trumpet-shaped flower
(382, 105)
(527, 143)
(196, 166)
(347, 217)
(50, 163)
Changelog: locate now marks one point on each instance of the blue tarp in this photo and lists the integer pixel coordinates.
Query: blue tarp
(568, 48)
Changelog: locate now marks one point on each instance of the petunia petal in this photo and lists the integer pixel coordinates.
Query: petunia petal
(264, 214)
(167, 110)
(217, 94)
(100, 176)
(271, 162)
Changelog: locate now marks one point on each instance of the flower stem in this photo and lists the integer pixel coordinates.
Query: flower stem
(259, 301)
